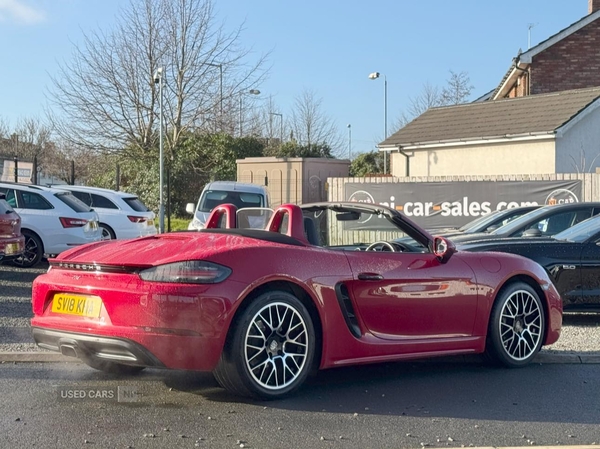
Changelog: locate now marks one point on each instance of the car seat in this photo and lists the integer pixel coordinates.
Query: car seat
(310, 231)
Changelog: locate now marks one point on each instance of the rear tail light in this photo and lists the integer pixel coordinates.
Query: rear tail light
(188, 272)
(73, 222)
(135, 219)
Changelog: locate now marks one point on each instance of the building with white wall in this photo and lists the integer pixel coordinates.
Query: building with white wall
(557, 132)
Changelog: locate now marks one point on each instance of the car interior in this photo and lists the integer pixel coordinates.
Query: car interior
(305, 226)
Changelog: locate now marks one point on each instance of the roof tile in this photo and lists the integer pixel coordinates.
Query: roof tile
(533, 114)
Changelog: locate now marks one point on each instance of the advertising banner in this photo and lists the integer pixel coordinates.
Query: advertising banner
(453, 204)
(24, 172)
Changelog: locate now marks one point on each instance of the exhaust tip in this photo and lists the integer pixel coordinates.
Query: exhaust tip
(68, 350)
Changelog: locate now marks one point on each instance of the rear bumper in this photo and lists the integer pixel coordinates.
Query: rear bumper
(95, 347)
(11, 248)
(128, 346)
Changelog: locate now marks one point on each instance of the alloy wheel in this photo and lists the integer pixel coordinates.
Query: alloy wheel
(30, 252)
(520, 325)
(276, 346)
(105, 235)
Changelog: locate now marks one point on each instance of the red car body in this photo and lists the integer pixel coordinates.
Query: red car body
(366, 306)
(12, 242)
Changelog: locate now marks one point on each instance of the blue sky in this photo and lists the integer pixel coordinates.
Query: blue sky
(329, 46)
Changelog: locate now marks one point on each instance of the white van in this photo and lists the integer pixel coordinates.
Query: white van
(226, 192)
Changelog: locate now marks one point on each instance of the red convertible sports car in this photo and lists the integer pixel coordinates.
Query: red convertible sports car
(323, 286)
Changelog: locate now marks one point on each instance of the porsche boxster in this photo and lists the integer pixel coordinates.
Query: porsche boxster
(323, 285)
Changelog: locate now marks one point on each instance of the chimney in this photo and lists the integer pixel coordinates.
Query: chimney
(593, 6)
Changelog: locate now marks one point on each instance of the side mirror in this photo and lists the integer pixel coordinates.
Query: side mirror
(443, 249)
(492, 228)
(190, 208)
(532, 232)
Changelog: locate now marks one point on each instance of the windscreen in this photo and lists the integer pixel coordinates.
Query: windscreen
(135, 203)
(581, 232)
(74, 203)
(253, 217)
(352, 229)
(213, 198)
(521, 221)
(480, 221)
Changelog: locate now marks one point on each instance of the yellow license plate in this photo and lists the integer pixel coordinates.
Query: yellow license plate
(11, 248)
(80, 305)
(150, 222)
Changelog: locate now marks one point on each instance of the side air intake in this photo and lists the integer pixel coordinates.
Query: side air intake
(347, 309)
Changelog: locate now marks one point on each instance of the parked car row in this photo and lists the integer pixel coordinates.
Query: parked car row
(38, 221)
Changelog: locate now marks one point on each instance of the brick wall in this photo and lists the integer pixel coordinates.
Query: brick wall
(572, 63)
(520, 88)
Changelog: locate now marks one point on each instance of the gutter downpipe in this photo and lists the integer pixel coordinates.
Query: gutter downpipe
(517, 60)
(407, 160)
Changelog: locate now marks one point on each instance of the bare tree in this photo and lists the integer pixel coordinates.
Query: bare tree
(311, 125)
(31, 138)
(429, 97)
(4, 128)
(269, 122)
(107, 95)
(34, 139)
(458, 89)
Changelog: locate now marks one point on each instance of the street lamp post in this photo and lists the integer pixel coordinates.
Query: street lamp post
(349, 141)
(158, 79)
(280, 125)
(374, 76)
(251, 92)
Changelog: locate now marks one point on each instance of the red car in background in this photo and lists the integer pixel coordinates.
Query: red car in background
(324, 285)
(12, 242)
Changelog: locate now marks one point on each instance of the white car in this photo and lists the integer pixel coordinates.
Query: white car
(122, 215)
(52, 220)
(215, 193)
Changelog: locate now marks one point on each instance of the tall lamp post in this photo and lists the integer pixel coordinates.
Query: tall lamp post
(251, 92)
(280, 125)
(159, 79)
(374, 76)
(349, 141)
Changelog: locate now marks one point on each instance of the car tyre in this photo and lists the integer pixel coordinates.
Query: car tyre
(270, 349)
(112, 367)
(106, 232)
(517, 326)
(34, 251)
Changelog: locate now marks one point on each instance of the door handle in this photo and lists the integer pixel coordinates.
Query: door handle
(369, 277)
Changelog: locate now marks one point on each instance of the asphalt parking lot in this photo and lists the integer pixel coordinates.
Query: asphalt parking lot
(580, 335)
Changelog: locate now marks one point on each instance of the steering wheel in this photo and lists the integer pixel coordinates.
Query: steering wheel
(381, 245)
